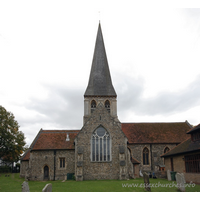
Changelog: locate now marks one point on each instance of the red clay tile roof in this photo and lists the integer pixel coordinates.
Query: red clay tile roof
(135, 132)
(156, 132)
(54, 139)
(26, 155)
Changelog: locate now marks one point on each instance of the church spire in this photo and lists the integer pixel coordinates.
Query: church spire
(100, 83)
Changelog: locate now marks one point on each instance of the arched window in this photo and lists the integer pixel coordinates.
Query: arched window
(46, 172)
(145, 156)
(166, 150)
(93, 105)
(107, 105)
(101, 148)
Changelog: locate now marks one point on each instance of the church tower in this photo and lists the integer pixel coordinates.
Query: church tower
(100, 89)
(101, 146)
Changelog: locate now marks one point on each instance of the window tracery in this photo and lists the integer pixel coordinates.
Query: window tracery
(101, 148)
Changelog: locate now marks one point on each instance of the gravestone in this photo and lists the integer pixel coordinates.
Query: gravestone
(141, 174)
(180, 180)
(183, 178)
(25, 187)
(47, 188)
(146, 182)
(169, 178)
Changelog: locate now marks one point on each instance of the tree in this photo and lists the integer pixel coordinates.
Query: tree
(12, 141)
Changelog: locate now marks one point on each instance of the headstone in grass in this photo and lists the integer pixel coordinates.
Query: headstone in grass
(180, 180)
(183, 178)
(47, 188)
(146, 182)
(141, 174)
(169, 178)
(25, 187)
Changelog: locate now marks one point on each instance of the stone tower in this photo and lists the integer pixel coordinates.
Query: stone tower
(101, 146)
(100, 88)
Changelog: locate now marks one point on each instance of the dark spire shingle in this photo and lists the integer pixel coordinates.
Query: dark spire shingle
(100, 83)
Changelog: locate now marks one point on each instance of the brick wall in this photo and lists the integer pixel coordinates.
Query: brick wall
(179, 166)
(194, 177)
(178, 163)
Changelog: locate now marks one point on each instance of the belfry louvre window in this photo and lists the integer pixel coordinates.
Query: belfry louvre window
(62, 162)
(145, 156)
(192, 163)
(107, 105)
(101, 147)
(93, 106)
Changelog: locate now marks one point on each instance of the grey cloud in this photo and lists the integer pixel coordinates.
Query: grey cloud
(192, 12)
(167, 103)
(129, 92)
(62, 107)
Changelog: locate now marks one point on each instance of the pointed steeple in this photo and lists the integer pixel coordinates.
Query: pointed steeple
(100, 83)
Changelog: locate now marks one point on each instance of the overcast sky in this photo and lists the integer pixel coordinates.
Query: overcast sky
(46, 50)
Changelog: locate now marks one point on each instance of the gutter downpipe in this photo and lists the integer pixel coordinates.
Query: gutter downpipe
(54, 165)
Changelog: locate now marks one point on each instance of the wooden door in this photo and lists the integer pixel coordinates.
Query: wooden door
(46, 172)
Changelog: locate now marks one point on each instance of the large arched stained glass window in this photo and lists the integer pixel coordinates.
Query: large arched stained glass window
(101, 148)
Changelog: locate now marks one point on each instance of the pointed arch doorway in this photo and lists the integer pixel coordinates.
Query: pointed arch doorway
(46, 172)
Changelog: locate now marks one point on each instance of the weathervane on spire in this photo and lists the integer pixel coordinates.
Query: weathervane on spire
(99, 16)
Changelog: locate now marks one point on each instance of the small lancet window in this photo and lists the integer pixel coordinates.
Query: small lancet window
(93, 105)
(107, 105)
(166, 150)
(145, 156)
(62, 162)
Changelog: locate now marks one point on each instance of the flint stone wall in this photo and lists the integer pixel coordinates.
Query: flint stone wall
(101, 170)
(23, 166)
(155, 151)
(39, 159)
(99, 100)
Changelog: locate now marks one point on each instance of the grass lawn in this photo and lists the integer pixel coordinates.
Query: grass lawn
(13, 184)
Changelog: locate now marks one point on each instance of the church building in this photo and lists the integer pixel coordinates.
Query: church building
(104, 148)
